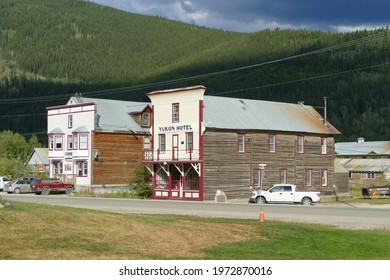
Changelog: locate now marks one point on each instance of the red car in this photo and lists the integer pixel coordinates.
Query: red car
(46, 186)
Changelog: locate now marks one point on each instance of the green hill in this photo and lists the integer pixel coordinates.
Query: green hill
(51, 49)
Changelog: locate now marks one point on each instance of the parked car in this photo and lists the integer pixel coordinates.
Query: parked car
(284, 193)
(18, 186)
(3, 180)
(50, 185)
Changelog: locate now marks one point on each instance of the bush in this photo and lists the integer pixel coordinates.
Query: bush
(140, 183)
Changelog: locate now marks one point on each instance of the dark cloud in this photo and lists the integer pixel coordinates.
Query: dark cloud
(254, 15)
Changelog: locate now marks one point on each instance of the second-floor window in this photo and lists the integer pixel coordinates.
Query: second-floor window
(58, 142)
(161, 143)
(83, 141)
(190, 141)
(175, 112)
(51, 142)
(70, 121)
(272, 143)
(70, 142)
(146, 143)
(323, 146)
(300, 145)
(241, 143)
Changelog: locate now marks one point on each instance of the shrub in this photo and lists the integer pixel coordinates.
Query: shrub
(140, 183)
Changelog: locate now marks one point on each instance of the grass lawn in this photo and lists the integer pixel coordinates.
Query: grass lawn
(42, 232)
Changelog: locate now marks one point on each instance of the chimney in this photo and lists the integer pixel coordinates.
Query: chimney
(360, 140)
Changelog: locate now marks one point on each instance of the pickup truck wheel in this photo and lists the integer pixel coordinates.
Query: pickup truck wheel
(306, 201)
(45, 191)
(261, 199)
(68, 190)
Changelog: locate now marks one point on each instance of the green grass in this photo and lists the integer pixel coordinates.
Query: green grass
(33, 231)
(308, 242)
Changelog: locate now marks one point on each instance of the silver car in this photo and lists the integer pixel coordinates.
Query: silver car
(18, 186)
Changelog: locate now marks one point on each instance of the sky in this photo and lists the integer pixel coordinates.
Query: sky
(256, 15)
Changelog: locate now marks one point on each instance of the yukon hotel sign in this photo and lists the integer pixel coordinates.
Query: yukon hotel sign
(175, 128)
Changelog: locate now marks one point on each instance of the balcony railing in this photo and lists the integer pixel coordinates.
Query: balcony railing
(171, 155)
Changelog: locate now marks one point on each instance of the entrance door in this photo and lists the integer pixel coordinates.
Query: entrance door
(175, 147)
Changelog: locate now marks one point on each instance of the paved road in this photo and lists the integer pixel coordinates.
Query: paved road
(346, 216)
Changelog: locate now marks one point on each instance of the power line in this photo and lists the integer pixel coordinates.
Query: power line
(212, 74)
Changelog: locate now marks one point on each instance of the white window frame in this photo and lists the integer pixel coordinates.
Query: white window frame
(301, 144)
(241, 139)
(324, 149)
(58, 142)
(83, 141)
(272, 143)
(324, 177)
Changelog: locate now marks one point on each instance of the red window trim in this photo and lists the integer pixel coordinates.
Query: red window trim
(269, 144)
(303, 144)
(280, 177)
(311, 177)
(327, 178)
(326, 145)
(243, 142)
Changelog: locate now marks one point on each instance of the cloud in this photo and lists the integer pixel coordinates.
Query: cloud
(255, 15)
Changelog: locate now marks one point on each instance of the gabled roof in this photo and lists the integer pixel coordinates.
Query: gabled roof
(39, 156)
(362, 148)
(365, 165)
(247, 114)
(114, 115)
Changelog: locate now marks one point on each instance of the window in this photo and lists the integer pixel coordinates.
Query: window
(175, 112)
(241, 143)
(272, 143)
(75, 141)
(324, 178)
(70, 121)
(145, 119)
(70, 142)
(370, 175)
(51, 142)
(283, 176)
(68, 167)
(323, 146)
(190, 141)
(57, 167)
(257, 178)
(301, 144)
(83, 141)
(161, 143)
(82, 168)
(58, 142)
(146, 143)
(308, 178)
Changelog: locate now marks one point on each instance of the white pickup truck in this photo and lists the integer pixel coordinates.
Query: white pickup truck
(284, 193)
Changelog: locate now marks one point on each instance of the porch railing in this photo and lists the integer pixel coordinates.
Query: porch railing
(170, 155)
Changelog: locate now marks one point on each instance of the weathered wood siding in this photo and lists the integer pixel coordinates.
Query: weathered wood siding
(231, 172)
(118, 156)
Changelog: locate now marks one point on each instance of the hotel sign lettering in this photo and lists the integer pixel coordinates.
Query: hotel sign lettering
(175, 128)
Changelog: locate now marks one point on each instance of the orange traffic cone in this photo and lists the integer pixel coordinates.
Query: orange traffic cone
(261, 215)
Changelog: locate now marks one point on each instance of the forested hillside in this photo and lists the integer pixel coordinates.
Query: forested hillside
(51, 49)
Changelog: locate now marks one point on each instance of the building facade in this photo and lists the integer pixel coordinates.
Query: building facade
(96, 141)
(204, 144)
(368, 162)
